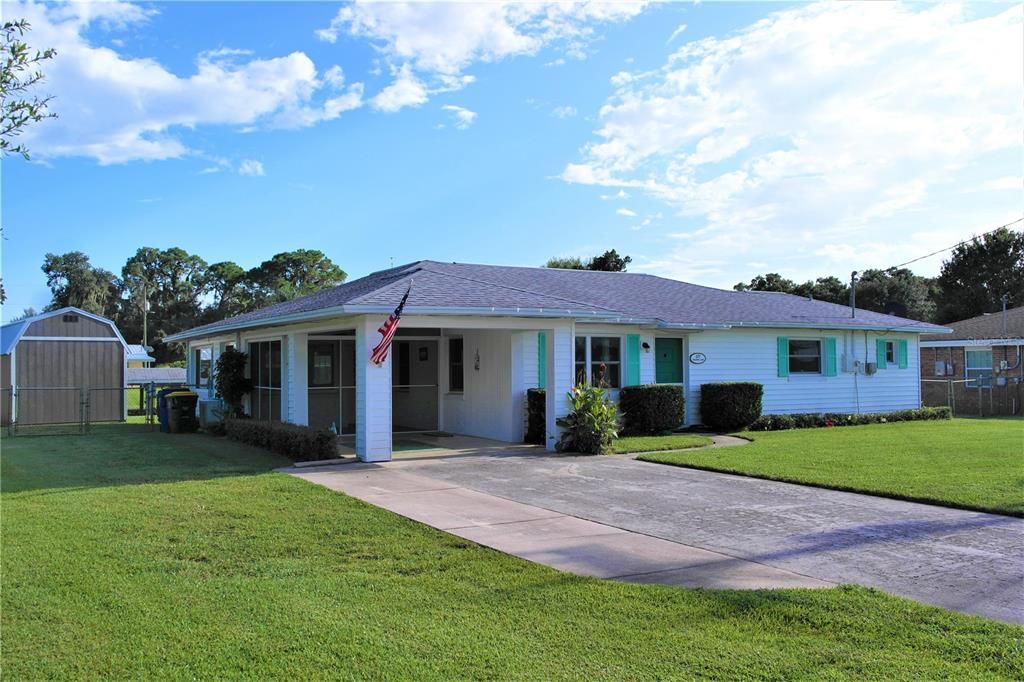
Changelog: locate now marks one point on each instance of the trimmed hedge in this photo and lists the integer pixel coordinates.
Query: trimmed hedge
(783, 422)
(730, 405)
(651, 409)
(300, 443)
(536, 417)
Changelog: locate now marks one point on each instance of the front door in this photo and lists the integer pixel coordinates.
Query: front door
(668, 361)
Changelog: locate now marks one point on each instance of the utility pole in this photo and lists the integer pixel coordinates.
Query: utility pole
(853, 294)
(145, 317)
(1005, 299)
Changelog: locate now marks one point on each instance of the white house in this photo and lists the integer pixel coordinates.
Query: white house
(474, 338)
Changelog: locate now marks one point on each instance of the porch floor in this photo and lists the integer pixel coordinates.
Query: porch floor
(434, 445)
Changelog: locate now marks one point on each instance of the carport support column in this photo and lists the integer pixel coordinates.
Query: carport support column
(560, 370)
(373, 395)
(298, 378)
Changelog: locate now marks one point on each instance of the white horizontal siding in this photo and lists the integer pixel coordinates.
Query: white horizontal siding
(751, 355)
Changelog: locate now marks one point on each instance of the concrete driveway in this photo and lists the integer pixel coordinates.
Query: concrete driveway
(965, 561)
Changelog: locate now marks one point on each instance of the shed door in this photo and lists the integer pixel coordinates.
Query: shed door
(668, 361)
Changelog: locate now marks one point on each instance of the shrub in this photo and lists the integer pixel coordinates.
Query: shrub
(782, 422)
(730, 405)
(300, 443)
(230, 380)
(593, 423)
(651, 409)
(536, 416)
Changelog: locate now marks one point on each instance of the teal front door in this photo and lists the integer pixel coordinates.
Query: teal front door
(668, 361)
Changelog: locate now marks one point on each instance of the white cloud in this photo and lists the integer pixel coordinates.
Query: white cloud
(462, 116)
(626, 212)
(251, 167)
(564, 111)
(621, 194)
(115, 108)
(406, 91)
(430, 45)
(818, 130)
(1008, 182)
(334, 76)
(676, 33)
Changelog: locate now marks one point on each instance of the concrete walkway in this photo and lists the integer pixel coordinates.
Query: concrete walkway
(548, 537)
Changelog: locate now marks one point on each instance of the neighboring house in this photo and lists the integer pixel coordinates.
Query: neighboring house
(48, 360)
(474, 338)
(138, 356)
(977, 369)
(161, 376)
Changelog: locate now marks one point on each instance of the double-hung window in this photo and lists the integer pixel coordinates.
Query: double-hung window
(202, 366)
(599, 361)
(804, 356)
(456, 376)
(978, 368)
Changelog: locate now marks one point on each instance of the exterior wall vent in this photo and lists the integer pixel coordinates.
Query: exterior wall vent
(71, 317)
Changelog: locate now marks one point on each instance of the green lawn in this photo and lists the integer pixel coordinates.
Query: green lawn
(968, 463)
(130, 555)
(675, 441)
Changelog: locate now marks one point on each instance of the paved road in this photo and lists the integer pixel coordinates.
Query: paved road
(961, 560)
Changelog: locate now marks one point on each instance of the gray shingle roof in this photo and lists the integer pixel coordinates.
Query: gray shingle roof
(471, 289)
(988, 326)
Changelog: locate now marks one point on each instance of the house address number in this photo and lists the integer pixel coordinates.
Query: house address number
(698, 358)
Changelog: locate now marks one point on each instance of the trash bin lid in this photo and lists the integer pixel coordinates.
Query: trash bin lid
(182, 394)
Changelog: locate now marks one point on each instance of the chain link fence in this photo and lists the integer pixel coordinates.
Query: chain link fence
(977, 397)
(72, 410)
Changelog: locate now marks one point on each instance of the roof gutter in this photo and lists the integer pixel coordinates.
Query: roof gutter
(929, 329)
(337, 311)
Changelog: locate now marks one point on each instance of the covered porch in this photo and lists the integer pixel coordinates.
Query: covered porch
(445, 385)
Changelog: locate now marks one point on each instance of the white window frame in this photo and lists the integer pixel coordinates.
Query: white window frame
(208, 348)
(891, 353)
(588, 370)
(967, 368)
(821, 357)
(446, 341)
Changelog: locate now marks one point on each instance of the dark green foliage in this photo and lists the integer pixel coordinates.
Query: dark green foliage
(978, 273)
(73, 281)
(730, 405)
(609, 261)
(592, 424)
(536, 417)
(783, 422)
(651, 409)
(300, 443)
(230, 381)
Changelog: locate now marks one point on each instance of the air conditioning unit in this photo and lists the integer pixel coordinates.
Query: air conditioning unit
(870, 368)
(210, 412)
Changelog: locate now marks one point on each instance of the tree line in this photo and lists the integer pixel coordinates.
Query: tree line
(181, 289)
(972, 281)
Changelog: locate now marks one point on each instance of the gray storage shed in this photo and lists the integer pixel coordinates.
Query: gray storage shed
(50, 362)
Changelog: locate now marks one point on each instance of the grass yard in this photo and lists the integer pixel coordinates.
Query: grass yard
(130, 554)
(675, 441)
(968, 463)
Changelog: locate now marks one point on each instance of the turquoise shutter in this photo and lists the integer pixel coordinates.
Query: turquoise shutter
(783, 342)
(902, 355)
(830, 357)
(542, 360)
(880, 353)
(632, 360)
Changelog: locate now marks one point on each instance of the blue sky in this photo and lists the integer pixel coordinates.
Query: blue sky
(710, 142)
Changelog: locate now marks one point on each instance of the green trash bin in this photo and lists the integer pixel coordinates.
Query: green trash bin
(181, 412)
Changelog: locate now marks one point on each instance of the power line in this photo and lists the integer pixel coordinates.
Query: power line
(949, 248)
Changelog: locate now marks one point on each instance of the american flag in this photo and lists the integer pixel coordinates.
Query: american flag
(387, 332)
